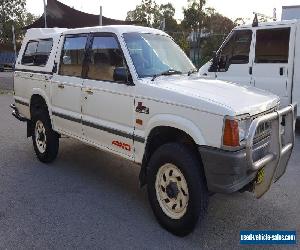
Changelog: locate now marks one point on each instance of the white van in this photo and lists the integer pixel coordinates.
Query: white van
(266, 56)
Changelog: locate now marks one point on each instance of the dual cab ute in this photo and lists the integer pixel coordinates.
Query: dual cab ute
(133, 92)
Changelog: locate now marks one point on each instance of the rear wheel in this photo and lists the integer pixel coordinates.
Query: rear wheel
(176, 188)
(45, 140)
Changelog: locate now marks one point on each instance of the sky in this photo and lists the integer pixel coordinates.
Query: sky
(117, 9)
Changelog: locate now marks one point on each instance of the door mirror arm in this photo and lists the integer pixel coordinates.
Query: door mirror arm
(129, 80)
(228, 63)
(214, 65)
(122, 75)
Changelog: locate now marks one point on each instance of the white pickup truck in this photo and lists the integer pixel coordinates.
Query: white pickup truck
(133, 92)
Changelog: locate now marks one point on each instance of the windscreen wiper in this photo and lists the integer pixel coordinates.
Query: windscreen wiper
(167, 73)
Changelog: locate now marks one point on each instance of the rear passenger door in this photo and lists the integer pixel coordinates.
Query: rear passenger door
(66, 86)
(32, 72)
(108, 104)
(272, 67)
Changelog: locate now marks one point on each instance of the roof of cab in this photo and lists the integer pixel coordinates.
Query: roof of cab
(266, 24)
(35, 33)
(117, 29)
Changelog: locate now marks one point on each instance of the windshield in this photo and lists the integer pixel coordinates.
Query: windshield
(154, 54)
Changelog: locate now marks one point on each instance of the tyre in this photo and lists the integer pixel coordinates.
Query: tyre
(45, 140)
(177, 189)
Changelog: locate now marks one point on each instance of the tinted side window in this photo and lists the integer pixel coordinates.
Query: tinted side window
(236, 50)
(106, 56)
(28, 56)
(42, 52)
(72, 56)
(272, 45)
(37, 52)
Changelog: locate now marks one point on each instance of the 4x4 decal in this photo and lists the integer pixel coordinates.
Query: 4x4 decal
(122, 145)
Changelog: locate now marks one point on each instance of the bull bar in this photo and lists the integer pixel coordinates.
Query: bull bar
(274, 163)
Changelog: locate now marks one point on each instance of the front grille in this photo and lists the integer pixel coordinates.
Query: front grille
(261, 149)
(263, 130)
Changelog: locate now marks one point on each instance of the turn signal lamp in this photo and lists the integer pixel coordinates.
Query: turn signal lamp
(231, 133)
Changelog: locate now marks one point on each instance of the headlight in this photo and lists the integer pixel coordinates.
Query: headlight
(243, 129)
(235, 130)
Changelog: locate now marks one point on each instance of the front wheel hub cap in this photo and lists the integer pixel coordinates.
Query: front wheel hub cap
(172, 191)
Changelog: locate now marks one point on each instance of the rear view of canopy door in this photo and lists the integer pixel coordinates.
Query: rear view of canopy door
(273, 62)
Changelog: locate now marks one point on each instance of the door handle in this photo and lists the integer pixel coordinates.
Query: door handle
(250, 70)
(89, 91)
(281, 71)
(61, 86)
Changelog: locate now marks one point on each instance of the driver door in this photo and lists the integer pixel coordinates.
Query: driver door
(108, 104)
(234, 58)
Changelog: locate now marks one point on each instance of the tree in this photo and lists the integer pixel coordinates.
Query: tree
(215, 23)
(239, 21)
(194, 15)
(150, 14)
(217, 27)
(167, 12)
(181, 39)
(29, 19)
(146, 14)
(193, 22)
(13, 12)
(207, 26)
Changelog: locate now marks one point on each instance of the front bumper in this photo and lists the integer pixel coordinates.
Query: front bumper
(228, 171)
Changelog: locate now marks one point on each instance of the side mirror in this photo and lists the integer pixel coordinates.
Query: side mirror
(121, 75)
(214, 65)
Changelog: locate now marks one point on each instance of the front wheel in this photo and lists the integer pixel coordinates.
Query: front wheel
(176, 188)
(45, 140)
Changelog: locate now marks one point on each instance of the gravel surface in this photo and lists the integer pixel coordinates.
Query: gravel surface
(88, 199)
